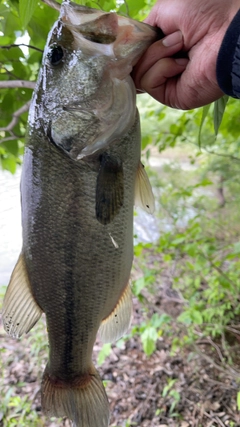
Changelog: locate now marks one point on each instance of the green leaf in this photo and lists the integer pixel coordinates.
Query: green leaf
(149, 338)
(168, 387)
(138, 285)
(238, 400)
(204, 183)
(146, 140)
(167, 257)
(11, 24)
(219, 108)
(9, 164)
(26, 10)
(12, 147)
(131, 8)
(178, 240)
(236, 248)
(197, 317)
(104, 353)
(185, 317)
(157, 321)
(204, 115)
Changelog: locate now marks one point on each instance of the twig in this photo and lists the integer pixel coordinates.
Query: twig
(230, 156)
(6, 84)
(15, 118)
(8, 72)
(9, 46)
(213, 420)
(219, 421)
(10, 138)
(229, 328)
(231, 372)
(210, 342)
(221, 384)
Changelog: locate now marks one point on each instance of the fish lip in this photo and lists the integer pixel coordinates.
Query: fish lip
(80, 17)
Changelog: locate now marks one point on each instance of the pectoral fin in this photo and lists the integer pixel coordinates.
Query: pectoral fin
(20, 311)
(117, 323)
(143, 191)
(109, 190)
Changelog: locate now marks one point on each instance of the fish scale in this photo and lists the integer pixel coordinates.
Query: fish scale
(80, 176)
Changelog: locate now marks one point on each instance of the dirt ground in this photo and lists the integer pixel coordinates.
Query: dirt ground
(182, 389)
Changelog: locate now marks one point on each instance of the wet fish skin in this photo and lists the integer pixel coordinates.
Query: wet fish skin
(78, 185)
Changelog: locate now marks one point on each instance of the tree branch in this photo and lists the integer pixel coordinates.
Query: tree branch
(15, 118)
(10, 138)
(9, 46)
(229, 156)
(17, 83)
(228, 370)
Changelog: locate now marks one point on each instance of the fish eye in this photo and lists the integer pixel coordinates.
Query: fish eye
(56, 55)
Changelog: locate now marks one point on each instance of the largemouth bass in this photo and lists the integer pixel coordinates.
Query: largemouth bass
(81, 174)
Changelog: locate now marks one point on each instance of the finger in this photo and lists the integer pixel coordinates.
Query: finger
(158, 50)
(164, 72)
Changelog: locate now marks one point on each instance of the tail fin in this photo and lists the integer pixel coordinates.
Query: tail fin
(83, 400)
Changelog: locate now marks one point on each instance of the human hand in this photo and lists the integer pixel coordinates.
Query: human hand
(195, 27)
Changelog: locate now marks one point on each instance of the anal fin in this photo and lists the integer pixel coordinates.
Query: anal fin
(117, 323)
(20, 311)
(143, 191)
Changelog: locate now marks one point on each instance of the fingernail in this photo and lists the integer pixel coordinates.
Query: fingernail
(182, 61)
(172, 39)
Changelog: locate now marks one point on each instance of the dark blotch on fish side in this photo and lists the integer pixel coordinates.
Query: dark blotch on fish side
(109, 189)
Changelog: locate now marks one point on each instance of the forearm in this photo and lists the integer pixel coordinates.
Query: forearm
(228, 61)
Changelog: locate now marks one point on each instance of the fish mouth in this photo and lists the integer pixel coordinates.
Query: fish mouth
(123, 37)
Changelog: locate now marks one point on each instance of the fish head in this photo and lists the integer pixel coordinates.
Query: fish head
(85, 82)
(121, 38)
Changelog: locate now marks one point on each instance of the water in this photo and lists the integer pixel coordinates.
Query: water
(10, 223)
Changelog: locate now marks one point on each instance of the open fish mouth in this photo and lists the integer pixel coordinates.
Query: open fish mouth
(107, 28)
